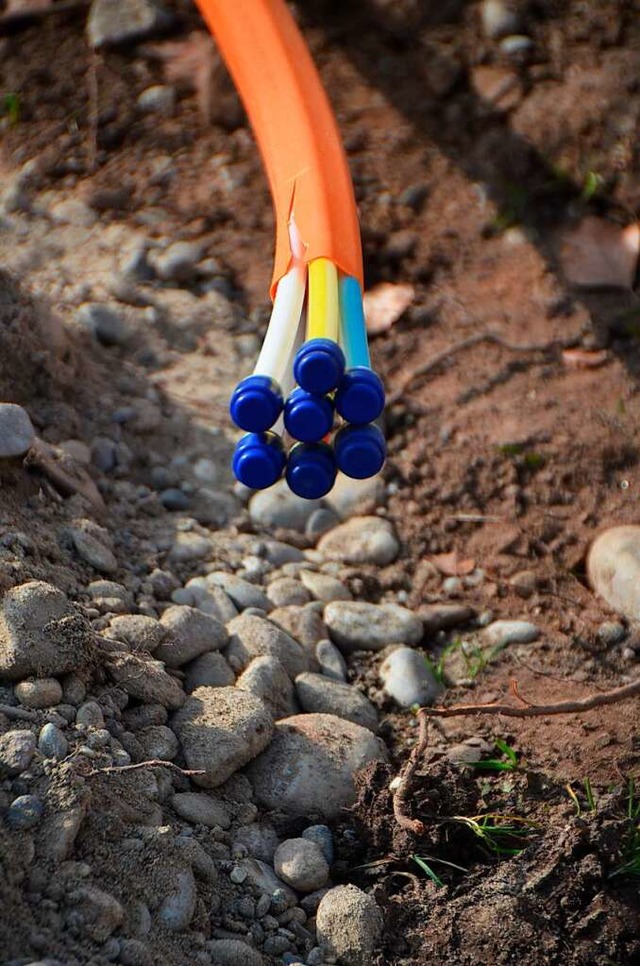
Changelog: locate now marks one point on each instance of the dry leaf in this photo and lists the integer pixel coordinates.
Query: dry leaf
(384, 304)
(599, 254)
(449, 565)
(584, 358)
(194, 63)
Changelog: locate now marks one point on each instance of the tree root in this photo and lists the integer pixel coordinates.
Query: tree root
(403, 784)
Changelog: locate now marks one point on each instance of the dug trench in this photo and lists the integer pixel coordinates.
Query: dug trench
(502, 468)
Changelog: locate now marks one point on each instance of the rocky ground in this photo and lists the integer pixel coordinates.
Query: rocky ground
(206, 694)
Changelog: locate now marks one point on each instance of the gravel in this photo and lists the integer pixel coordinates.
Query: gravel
(362, 540)
(24, 813)
(318, 693)
(286, 591)
(301, 864)
(137, 631)
(355, 625)
(321, 835)
(105, 323)
(310, 763)
(442, 617)
(98, 913)
(178, 262)
(498, 19)
(324, 587)
(92, 544)
(40, 632)
(408, 679)
(145, 680)
(220, 730)
(158, 99)
(279, 507)
(17, 748)
(111, 23)
(502, 633)
(16, 432)
(158, 741)
(177, 909)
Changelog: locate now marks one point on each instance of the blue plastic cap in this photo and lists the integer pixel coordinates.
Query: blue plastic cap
(308, 417)
(259, 460)
(360, 451)
(360, 395)
(311, 470)
(256, 403)
(319, 366)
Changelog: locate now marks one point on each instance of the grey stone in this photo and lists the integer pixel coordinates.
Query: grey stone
(145, 680)
(137, 631)
(355, 496)
(52, 742)
(442, 617)
(38, 692)
(408, 679)
(106, 324)
(286, 591)
(279, 507)
(259, 839)
(318, 693)
(321, 521)
(516, 45)
(332, 664)
(251, 636)
(502, 633)
(613, 569)
(90, 714)
(211, 599)
(200, 808)
(324, 587)
(40, 632)
(499, 19)
(321, 835)
(220, 730)
(158, 741)
(58, 834)
(209, 670)
(16, 432)
(267, 678)
(178, 262)
(242, 593)
(24, 813)
(301, 864)
(158, 99)
(610, 633)
(361, 540)
(104, 454)
(177, 909)
(174, 499)
(99, 912)
(234, 952)
(349, 925)
(279, 553)
(189, 633)
(74, 690)
(116, 22)
(17, 748)
(188, 547)
(73, 211)
(133, 952)
(201, 863)
(91, 543)
(304, 624)
(309, 766)
(356, 625)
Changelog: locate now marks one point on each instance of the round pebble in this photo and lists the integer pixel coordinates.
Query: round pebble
(301, 864)
(16, 431)
(38, 692)
(52, 742)
(24, 812)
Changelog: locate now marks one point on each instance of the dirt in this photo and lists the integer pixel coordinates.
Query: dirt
(510, 458)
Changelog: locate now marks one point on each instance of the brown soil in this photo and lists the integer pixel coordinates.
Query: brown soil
(509, 458)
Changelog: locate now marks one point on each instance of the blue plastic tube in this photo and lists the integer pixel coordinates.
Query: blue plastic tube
(360, 395)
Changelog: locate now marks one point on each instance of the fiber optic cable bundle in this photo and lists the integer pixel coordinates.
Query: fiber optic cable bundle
(313, 382)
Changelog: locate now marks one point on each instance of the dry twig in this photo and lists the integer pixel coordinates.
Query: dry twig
(452, 350)
(153, 762)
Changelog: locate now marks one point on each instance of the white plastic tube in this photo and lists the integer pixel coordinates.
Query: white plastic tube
(275, 356)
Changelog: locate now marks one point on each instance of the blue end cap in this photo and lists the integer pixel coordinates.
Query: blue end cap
(319, 366)
(256, 403)
(259, 460)
(308, 417)
(311, 470)
(360, 451)
(360, 395)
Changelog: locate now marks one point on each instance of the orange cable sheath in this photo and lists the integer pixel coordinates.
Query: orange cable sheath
(295, 129)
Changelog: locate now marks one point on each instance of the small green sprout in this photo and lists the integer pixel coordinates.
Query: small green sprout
(497, 764)
(10, 107)
(502, 835)
(631, 851)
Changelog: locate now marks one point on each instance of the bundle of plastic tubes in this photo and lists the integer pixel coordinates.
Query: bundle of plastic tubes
(309, 408)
